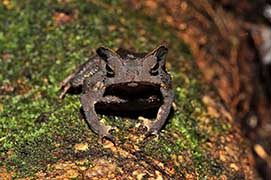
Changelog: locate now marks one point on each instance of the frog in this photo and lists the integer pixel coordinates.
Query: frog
(122, 80)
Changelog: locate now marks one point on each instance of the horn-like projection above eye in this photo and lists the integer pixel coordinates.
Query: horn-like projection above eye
(160, 53)
(105, 53)
(112, 60)
(155, 60)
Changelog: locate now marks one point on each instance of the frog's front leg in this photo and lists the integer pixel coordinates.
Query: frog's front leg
(88, 101)
(163, 112)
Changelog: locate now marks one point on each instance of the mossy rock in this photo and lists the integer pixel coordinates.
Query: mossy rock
(41, 42)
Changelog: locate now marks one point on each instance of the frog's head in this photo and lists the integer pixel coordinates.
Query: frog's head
(133, 70)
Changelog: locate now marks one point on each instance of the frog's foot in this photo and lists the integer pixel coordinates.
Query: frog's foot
(151, 131)
(146, 122)
(104, 133)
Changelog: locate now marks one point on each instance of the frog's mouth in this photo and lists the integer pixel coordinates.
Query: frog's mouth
(141, 99)
(133, 90)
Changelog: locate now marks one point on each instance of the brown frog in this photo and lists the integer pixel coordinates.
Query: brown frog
(123, 81)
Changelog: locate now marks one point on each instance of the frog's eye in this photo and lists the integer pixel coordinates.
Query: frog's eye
(109, 71)
(154, 69)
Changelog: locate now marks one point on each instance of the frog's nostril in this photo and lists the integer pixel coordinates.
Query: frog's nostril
(133, 84)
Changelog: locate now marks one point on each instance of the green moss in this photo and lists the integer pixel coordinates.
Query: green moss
(36, 55)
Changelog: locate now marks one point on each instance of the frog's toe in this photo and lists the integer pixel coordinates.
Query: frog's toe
(64, 90)
(151, 133)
